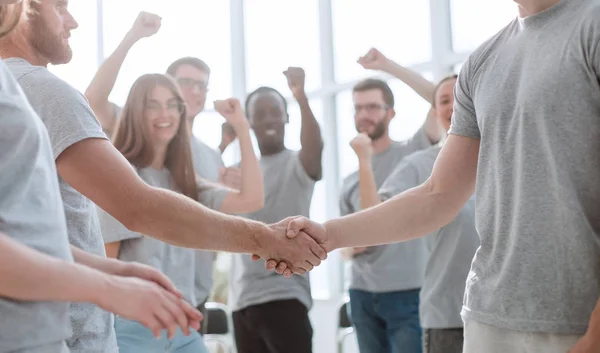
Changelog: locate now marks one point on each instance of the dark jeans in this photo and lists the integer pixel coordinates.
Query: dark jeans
(281, 326)
(449, 340)
(386, 322)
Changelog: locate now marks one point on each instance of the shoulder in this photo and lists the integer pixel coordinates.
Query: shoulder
(479, 56)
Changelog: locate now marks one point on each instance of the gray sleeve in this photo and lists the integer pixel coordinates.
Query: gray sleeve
(300, 172)
(418, 142)
(464, 120)
(346, 205)
(65, 111)
(211, 195)
(113, 230)
(404, 177)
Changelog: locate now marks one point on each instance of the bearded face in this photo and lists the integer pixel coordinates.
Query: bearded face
(50, 25)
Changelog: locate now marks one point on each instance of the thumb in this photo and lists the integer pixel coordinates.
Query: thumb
(296, 225)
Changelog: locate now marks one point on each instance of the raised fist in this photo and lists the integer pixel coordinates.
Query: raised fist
(295, 78)
(145, 25)
(373, 60)
(231, 110)
(362, 146)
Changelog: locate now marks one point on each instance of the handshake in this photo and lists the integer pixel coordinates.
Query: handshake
(293, 246)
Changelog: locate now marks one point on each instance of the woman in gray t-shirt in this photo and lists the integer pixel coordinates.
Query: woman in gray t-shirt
(153, 135)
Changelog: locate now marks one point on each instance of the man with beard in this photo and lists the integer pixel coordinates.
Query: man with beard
(91, 171)
(384, 291)
(270, 312)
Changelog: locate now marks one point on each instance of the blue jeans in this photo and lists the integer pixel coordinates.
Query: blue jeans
(133, 337)
(386, 322)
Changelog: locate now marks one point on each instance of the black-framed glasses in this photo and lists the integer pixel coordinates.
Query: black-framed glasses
(191, 83)
(370, 108)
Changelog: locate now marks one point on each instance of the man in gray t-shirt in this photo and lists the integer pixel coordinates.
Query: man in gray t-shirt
(385, 283)
(524, 136)
(270, 313)
(51, 97)
(31, 213)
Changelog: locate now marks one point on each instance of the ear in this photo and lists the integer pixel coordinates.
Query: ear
(391, 114)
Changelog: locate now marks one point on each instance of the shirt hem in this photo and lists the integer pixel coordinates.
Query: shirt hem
(533, 326)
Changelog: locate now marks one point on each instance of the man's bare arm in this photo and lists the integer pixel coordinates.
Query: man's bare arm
(417, 211)
(311, 153)
(97, 170)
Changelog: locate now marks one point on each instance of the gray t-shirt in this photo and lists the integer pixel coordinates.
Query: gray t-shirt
(288, 192)
(452, 247)
(207, 162)
(69, 119)
(532, 95)
(175, 262)
(390, 267)
(31, 213)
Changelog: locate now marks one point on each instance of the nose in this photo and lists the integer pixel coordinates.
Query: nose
(71, 23)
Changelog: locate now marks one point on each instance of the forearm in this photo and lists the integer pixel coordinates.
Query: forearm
(412, 79)
(26, 274)
(106, 265)
(310, 140)
(407, 216)
(104, 80)
(181, 221)
(251, 186)
(367, 186)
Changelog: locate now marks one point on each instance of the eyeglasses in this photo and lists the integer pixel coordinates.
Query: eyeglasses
(191, 83)
(172, 107)
(370, 108)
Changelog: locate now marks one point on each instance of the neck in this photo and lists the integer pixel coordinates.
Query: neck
(190, 123)
(271, 150)
(160, 154)
(14, 46)
(532, 7)
(381, 144)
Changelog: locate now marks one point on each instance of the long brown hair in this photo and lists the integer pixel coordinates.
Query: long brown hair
(9, 17)
(133, 140)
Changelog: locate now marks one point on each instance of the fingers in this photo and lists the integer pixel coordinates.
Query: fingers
(193, 315)
(153, 324)
(255, 257)
(288, 273)
(167, 320)
(175, 311)
(319, 252)
(164, 281)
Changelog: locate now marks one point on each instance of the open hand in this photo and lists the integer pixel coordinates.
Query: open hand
(148, 273)
(149, 304)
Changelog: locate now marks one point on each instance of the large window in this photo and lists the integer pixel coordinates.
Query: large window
(280, 34)
(197, 28)
(400, 29)
(83, 41)
(474, 21)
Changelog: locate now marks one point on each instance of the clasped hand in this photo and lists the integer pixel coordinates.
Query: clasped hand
(302, 248)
